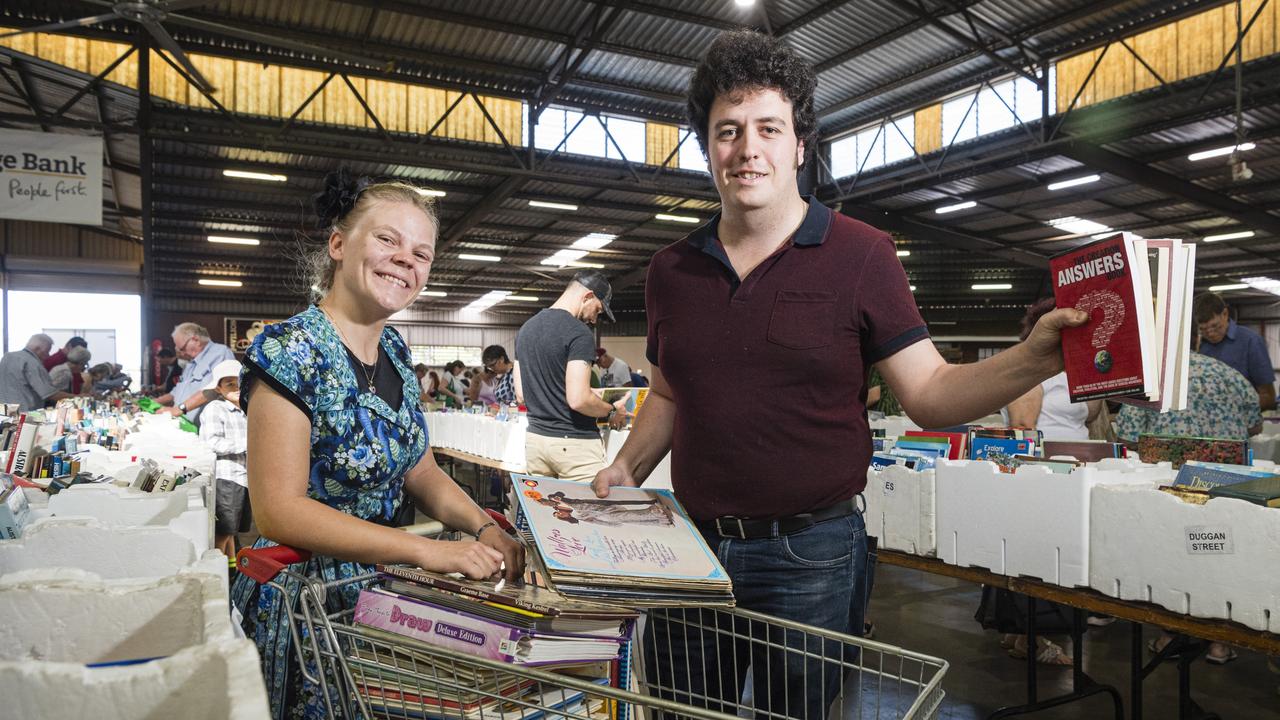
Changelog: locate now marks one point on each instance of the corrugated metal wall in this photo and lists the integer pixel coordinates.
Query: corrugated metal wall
(68, 258)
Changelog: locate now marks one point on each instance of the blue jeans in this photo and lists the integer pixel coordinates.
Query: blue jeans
(816, 577)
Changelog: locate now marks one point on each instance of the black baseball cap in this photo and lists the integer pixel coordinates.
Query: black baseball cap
(596, 282)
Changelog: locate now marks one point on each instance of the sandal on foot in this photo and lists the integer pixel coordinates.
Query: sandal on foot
(1048, 654)
(1222, 659)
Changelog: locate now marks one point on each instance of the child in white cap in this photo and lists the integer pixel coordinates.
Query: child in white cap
(225, 428)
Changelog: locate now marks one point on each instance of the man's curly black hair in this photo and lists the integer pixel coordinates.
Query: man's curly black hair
(746, 60)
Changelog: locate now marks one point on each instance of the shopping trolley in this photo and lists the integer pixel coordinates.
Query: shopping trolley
(364, 673)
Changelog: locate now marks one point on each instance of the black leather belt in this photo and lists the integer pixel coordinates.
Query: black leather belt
(738, 528)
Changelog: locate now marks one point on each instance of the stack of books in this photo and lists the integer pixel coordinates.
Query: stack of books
(14, 508)
(1136, 346)
(524, 625)
(1177, 450)
(1198, 481)
(636, 548)
(1007, 447)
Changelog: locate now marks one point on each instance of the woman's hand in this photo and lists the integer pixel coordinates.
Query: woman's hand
(476, 560)
(511, 550)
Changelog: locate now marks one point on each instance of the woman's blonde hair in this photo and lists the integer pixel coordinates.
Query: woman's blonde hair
(339, 208)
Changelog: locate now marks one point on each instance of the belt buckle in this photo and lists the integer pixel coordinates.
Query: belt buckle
(724, 529)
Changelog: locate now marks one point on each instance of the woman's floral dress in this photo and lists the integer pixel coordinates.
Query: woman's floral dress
(361, 449)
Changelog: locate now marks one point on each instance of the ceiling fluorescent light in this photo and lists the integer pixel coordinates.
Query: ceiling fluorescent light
(247, 175)
(428, 192)
(904, 253)
(953, 208)
(1079, 226)
(552, 205)
(1234, 286)
(992, 286)
(488, 300)
(1229, 236)
(434, 293)
(676, 218)
(1219, 152)
(1074, 182)
(580, 264)
(1263, 283)
(233, 240)
(913, 288)
(479, 258)
(564, 257)
(220, 283)
(594, 241)
(525, 298)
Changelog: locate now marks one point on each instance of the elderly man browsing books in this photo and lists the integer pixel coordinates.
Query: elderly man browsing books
(775, 282)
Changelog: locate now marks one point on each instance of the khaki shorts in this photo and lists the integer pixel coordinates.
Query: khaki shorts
(577, 459)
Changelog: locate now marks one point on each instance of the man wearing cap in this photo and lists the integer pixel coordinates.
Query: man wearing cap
(554, 352)
(225, 429)
(614, 372)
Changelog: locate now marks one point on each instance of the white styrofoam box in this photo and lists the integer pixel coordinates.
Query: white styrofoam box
(901, 509)
(479, 435)
(70, 616)
(894, 425)
(213, 681)
(660, 478)
(1215, 560)
(1265, 447)
(1032, 522)
(93, 546)
(122, 507)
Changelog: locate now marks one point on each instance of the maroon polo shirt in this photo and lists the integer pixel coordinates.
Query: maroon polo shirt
(769, 371)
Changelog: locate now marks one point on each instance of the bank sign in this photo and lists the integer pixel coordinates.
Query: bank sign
(51, 177)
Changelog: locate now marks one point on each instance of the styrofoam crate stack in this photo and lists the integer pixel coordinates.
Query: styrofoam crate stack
(76, 616)
(478, 435)
(901, 509)
(1032, 522)
(213, 681)
(109, 552)
(1215, 560)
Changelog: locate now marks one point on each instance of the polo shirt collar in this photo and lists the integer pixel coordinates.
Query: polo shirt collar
(1231, 329)
(812, 231)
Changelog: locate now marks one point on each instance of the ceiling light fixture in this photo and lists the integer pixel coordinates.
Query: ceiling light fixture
(1233, 286)
(913, 288)
(525, 298)
(904, 253)
(1229, 236)
(248, 175)
(434, 293)
(1074, 182)
(553, 205)
(225, 240)
(1080, 226)
(564, 257)
(479, 258)
(428, 192)
(1219, 152)
(953, 208)
(220, 283)
(992, 286)
(594, 241)
(488, 300)
(580, 264)
(1263, 283)
(677, 218)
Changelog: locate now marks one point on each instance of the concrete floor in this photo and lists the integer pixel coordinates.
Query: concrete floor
(934, 615)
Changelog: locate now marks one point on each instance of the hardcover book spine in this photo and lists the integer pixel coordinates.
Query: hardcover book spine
(413, 575)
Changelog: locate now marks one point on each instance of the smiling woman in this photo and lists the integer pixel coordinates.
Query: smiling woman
(337, 439)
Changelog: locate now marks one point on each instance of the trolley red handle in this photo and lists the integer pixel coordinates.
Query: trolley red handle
(263, 564)
(503, 523)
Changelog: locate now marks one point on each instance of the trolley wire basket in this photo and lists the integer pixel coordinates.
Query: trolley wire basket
(365, 673)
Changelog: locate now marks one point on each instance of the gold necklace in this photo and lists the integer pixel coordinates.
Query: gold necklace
(377, 356)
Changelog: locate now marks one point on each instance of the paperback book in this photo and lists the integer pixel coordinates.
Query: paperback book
(1138, 293)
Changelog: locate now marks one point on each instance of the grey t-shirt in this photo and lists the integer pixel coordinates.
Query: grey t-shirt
(544, 347)
(23, 380)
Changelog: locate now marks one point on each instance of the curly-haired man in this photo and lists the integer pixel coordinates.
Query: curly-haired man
(773, 288)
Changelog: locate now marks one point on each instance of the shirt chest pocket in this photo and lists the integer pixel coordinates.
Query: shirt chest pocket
(802, 320)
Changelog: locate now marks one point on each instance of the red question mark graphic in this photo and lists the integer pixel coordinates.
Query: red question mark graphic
(1112, 314)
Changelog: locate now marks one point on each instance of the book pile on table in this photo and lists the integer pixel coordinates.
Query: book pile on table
(523, 625)
(636, 547)
(1136, 346)
(1007, 447)
(1198, 482)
